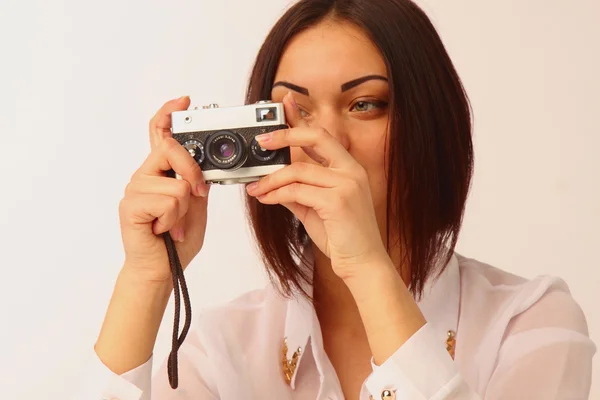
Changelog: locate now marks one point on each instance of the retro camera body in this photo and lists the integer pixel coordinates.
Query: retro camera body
(222, 140)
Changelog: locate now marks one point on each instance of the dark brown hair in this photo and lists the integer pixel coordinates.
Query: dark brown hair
(430, 158)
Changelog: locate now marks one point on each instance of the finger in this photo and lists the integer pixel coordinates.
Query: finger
(194, 222)
(160, 124)
(310, 174)
(298, 210)
(178, 230)
(171, 187)
(170, 155)
(159, 185)
(149, 184)
(304, 214)
(293, 116)
(295, 119)
(317, 143)
(305, 195)
(162, 210)
(196, 210)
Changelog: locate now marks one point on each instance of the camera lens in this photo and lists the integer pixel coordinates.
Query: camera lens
(260, 153)
(225, 149)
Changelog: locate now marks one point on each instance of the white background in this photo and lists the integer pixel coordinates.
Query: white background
(79, 81)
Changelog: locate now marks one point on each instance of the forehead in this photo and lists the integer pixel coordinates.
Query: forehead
(329, 54)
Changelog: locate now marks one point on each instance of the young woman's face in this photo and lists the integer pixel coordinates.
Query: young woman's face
(323, 67)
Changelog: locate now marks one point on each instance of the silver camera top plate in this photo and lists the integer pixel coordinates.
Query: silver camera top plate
(213, 118)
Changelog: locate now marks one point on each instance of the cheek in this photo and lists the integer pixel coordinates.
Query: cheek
(371, 156)
(374, 163)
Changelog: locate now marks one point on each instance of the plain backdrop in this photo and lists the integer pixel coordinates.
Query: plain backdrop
(79, 81)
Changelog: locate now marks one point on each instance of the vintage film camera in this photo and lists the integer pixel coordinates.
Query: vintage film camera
(222, 140)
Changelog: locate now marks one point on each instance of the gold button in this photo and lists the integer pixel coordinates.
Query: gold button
(388, 395)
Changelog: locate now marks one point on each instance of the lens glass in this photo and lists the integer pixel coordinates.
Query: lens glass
(223, 148)
(226, 150)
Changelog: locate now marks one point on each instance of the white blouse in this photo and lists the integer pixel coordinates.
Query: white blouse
(515, 339)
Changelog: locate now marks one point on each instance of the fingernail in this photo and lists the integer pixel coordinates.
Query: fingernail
(179, 100)
(251, 187)
(179, 234)
(264, 138)
(202, 190)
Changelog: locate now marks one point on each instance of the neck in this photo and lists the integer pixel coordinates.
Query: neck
(333, 302)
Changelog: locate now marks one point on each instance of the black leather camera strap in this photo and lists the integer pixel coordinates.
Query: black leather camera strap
(178, 279)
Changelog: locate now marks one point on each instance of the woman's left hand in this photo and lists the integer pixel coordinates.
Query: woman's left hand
(332, 199)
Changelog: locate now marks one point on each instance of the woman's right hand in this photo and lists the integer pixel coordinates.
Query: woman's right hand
(154, 203)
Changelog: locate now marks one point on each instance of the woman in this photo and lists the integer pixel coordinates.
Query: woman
(358, 234)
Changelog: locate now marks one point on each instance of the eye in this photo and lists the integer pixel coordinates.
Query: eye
(366, 106)
(303, 113)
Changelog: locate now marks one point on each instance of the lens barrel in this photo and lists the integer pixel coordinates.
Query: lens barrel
(225, 149)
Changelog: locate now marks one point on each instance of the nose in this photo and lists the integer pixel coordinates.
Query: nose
(336, 126)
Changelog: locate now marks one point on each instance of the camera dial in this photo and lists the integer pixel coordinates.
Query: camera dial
(260, 153)
(195, 149)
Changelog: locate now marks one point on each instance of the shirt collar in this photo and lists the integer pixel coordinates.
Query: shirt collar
(300, 316)
(439, 305)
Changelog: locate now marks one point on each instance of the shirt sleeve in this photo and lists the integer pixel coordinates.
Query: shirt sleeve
(419, 370)
(103, 384)
(546, 355)
(195, 378)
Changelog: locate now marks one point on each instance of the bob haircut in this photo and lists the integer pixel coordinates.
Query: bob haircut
(429, 146)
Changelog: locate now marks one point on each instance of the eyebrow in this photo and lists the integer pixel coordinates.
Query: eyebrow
(295, 88)
(352, 84)
(345, 87)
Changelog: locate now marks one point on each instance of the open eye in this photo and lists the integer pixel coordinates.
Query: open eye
(303, 113)
(365, 106)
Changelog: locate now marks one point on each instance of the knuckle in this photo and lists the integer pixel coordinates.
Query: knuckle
(336, 202)
(299, 168)
(322, 132)
(126, 207)
(183, 188)
(351, 189)
(138, 172)
(128, 189)
(172, 204)
(193, 166)
(123, 206)
(165, 147)
(169, 144)
(266, 181)
(170, 217)
(151, 123)
(293, 189)
(361, 175)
